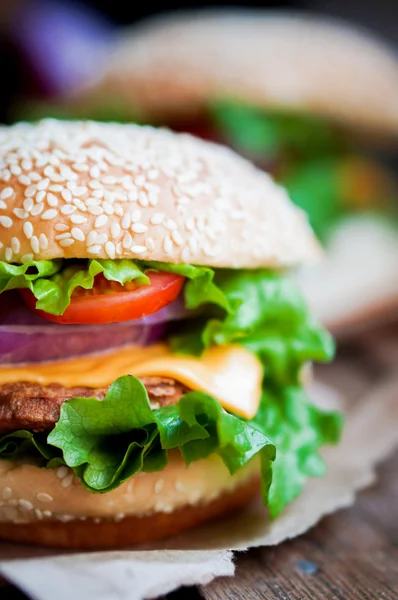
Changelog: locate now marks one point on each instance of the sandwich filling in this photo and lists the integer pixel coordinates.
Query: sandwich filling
(204, 362)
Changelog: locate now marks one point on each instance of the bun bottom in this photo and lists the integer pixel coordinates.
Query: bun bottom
(107, 534)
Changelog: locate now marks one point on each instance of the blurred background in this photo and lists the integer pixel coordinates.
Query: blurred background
(39, 37)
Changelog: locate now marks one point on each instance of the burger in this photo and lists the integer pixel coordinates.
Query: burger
(308, 99)
(154, 356)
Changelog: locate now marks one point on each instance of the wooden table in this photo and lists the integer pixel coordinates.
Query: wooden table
(352, 555)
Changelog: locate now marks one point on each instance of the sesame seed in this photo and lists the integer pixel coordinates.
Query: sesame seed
(56, 188)
(47, 514)
(98, 193)
(3, 205)
(52, 200)
(24, 180)
(170, 224)
(15, 245)
(110, 249)
(95, 210)
(96, 249)
(135, 216)
(66, 195)
(115, 230)
(92, 236)
(167, 245)
(43, 497)
(139, 228)
(150, 244)
(176, 237)
(126, 221)
(26, 258)
(15, 169)
(6, 222)
(108, 208)
(179, 486)
(153, 198)
(190, 224)
(95, 185)
(43, 241)
(37, 209)
(78, 219)
(8, 254)
(157, 218)
(40, 196)
(127, 240)
(100, 221)
(133, 195)
(63, 236)
(6, 193)
(28, 204)
(68, 209)
(138, 249)
(34, 242)
(67, 481)
(43, 184)
(102, 238)
(95, 172)
(60, 227)
(20, 213)
(79, 204)
(78, 234)
(143, 199)
(67, 242)
(25, 504)
(62, 472)
(49, 214)
(38, 514)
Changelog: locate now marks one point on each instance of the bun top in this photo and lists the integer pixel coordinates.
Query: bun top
(95, 190)
(288, 61)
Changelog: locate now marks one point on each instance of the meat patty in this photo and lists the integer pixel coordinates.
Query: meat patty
(36, 408)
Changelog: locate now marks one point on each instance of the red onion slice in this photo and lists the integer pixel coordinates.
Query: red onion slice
(26, 337)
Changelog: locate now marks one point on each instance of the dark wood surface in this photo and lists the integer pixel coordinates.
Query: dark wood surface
(352, 555)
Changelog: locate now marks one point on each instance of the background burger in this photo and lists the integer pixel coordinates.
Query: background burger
(152, 349)
(304, 98)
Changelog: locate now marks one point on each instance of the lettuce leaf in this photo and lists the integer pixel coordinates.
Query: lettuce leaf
(106, 443)
(298, 429)
(53, 281)
(267, 315)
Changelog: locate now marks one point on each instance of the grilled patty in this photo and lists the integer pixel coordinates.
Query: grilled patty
(36, 408)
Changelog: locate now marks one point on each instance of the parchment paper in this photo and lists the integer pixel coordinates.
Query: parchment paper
(196, 558)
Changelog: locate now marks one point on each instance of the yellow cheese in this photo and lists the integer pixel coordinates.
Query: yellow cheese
(230, 374)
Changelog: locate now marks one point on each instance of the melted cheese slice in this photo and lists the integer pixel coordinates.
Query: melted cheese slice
(230, 374)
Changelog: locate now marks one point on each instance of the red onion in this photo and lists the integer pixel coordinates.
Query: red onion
(26, 337)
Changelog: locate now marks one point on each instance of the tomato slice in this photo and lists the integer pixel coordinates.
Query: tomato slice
(110, 302)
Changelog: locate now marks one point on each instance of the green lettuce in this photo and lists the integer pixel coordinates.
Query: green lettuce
(266, 314)
(298, 429)
(106, 443)
(53, 282)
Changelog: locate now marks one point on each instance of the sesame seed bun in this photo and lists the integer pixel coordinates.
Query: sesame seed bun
(176, 64)
(50, 507)
(96, 190)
